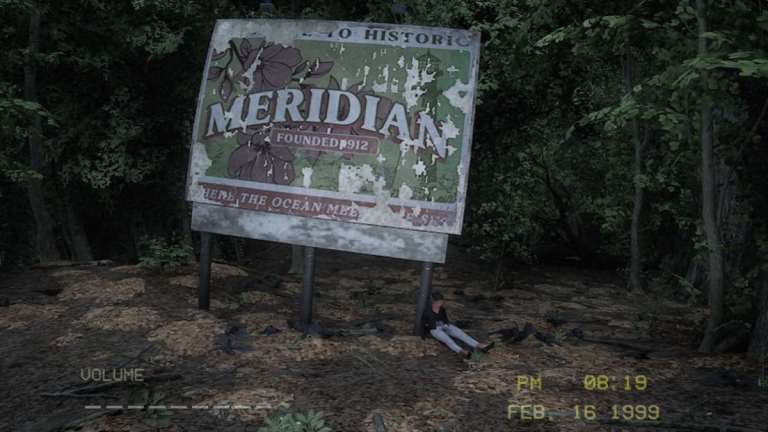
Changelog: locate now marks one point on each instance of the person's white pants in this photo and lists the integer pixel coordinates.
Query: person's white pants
(443, 333)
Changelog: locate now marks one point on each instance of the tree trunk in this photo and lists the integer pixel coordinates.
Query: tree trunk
(709, 200)
(45, 240)
(696, 273)
(758, 346)
(79, 241)
(635, 252)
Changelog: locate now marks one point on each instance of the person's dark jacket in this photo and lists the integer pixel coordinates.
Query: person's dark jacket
(431, 318)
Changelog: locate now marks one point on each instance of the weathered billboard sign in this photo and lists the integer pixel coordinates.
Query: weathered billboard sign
(333, 121)
(350, 136)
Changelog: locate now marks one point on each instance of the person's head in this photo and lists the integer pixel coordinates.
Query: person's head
(437, 300)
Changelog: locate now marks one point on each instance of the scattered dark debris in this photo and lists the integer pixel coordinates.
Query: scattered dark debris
(358, 328)
(51, 292)
(270, 330)
(234, 339)
(557, 322)
(513, 335)
(313, 329)
(548, 339)
(638, 355)
(558, 318)
(362, 329)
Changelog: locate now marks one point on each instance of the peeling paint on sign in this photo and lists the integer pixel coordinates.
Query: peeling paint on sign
(355, 122)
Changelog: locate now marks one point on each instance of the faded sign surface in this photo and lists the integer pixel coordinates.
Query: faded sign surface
(361, 123)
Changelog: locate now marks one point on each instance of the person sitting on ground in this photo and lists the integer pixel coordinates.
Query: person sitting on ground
(436, 322)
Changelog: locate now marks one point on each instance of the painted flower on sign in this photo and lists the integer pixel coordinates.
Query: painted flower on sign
(264, 66)
(256, 160)
(250, 66)
(268, 67)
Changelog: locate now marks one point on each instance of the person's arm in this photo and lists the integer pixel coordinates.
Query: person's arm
(443, 315)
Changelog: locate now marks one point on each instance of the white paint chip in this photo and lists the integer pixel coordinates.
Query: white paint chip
(307, 173)
(419, 168)
(415, 79)
(460, 96)
(405, 192)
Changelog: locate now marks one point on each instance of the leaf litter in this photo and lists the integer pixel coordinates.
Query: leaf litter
(412, 383)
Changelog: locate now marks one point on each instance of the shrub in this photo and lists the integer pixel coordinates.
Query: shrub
(295, 422)
(164, 255)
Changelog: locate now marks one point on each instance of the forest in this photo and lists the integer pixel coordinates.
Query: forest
(620, 138)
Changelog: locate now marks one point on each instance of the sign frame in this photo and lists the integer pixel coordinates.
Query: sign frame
(434, 213)
(426, 242)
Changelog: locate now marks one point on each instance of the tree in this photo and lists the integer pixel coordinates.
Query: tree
(758, 346)
(45, 239)
(638, 203)
(628, 40)
(709, 197)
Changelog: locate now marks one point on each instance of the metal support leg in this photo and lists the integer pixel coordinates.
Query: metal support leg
(425, 291)
(309, 285)
(204, 273)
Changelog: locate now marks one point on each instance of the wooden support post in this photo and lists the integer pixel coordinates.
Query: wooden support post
(425, 292)
(204, 273)
(308, 286)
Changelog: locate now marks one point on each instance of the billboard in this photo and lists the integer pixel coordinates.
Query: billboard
(352, 122)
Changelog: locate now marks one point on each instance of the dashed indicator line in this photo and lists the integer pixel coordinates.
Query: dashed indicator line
(176, 407)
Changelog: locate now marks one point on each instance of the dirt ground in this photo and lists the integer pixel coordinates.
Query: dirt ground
(216, 371)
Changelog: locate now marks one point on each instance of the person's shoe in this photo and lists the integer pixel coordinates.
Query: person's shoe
(468, 355)
(488, 347)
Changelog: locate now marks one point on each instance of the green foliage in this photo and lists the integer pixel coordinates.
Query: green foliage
(14, 112)
(168, 256)
(505, 224)
(693, 293)
(295, 422)
(477, 356)
(559, 335)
